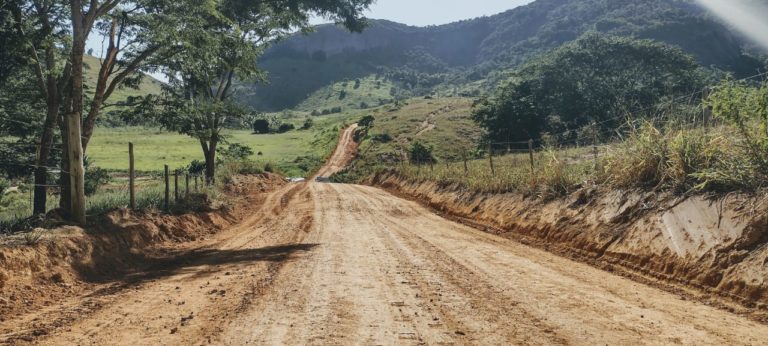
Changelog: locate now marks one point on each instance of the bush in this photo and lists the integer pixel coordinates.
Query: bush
(285, 127)
(421, 154)
(269, 167)
(236, 152)
(382, 137)
(308, 123)
(4, 184)
(366, 121)
(260, 126)
(196, 167)
(94, 178)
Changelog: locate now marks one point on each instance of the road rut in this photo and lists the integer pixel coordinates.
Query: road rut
(336, 264)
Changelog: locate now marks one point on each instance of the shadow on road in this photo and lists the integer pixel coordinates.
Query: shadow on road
(196, 263)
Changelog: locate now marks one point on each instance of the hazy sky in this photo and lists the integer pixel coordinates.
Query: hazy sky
(434, 12)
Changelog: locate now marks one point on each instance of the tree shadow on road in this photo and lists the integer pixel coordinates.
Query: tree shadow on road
(195, 264)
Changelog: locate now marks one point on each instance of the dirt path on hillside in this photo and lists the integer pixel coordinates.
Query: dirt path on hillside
(343, 264)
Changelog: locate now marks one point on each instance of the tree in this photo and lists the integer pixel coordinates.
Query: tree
(53, 36)
(227, 44)
(366, 121)
(597, 78)
(421, 154)
(260, 126)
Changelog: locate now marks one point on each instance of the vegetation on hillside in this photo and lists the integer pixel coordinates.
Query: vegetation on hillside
(469, 57)
(596, 79)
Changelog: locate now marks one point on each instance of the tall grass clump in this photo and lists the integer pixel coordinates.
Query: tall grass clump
(682, 160)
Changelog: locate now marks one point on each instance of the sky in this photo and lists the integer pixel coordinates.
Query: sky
(436, 12)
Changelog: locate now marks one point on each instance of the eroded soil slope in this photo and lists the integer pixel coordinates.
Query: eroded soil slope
(719, 246)
(344, 264)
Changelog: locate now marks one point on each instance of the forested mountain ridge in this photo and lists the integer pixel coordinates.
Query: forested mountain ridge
(421, 58)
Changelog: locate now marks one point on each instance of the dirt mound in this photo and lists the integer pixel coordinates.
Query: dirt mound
(43, 267)
(714, 245)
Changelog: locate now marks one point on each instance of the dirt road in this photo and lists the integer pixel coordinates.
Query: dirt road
(343, 264)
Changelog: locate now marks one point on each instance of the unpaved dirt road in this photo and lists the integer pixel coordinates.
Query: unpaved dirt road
(343, 264)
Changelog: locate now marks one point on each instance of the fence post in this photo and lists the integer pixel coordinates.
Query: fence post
(131, 177)
(186, 184)
(464, 157)
(167, 190)
(175, 185)
(595, 152)
(490, 158)
(530, 155)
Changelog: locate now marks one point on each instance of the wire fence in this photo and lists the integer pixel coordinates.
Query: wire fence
(569, 155)
(162, 189)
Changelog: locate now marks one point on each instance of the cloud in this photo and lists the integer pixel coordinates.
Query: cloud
(747, 16)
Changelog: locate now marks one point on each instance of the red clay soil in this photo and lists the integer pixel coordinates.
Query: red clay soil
(71, 261)
(707, 248)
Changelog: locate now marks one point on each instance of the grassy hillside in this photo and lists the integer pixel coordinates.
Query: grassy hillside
(449, 56)
(443, 123)
(370, 92)
(148, 85)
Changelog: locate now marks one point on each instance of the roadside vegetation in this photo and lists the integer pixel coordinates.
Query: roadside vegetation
(590, 121)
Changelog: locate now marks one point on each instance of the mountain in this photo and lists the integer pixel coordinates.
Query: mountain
(451, 56)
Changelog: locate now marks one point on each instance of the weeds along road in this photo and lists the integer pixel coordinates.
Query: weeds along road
(343, 264)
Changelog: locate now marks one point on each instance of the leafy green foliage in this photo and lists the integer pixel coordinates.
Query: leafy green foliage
(421, 154)
(468, 58)
(94, 177)
(366, 121)
(596, 78)
(746, 107)
(236, 152)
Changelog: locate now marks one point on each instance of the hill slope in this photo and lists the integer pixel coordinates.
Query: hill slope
(420, 58)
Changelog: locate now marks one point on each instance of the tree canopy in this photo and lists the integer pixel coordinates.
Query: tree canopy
(597, 78)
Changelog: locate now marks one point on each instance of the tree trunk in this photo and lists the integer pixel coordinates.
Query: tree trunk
(44, 151)
(74, 116)
(41, 172)
(210, 162)
(64, 189)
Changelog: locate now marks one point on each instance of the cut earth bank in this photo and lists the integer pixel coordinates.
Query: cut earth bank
(714, 250)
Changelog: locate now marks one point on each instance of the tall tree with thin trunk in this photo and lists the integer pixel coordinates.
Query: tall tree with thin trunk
(196, 101)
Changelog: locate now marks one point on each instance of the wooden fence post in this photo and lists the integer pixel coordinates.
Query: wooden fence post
(530, 155)
(464, 157)
(175, 185)
(167, 190)
(131, 177)
(490, 158)
(595, 151)
(186, 184)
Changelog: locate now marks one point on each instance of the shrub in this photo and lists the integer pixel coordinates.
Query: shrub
(236, 152)
(269, 167)
(285, 127)
(260, 126)
(196, 167)
(421, 154)
(94, 178)
(366, 121)
(382, 137)
(308, 123)
(4, 184)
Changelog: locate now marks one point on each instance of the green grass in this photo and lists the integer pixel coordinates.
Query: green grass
(443, 123)
(154, 148)
(370, 91)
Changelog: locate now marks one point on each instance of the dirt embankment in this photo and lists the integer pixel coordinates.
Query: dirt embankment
(69, 261)
(717, 246)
